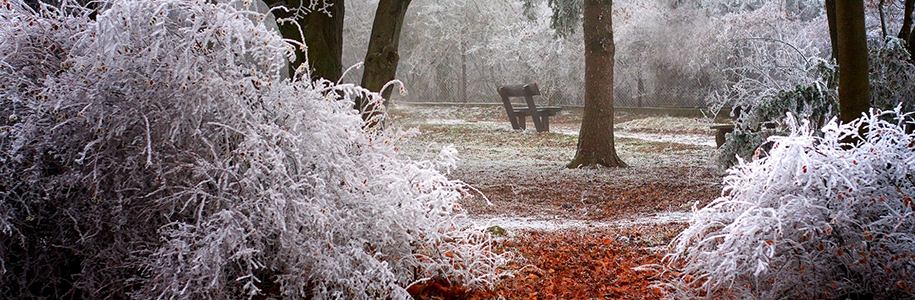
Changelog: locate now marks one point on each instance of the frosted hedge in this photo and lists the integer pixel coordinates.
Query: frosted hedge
(154, 151)
(817, 218)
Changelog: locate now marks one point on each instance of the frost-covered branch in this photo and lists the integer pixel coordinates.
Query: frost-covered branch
(157, 151)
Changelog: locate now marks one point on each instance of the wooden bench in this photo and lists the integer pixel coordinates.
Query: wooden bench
(720, 131)
(540, 115)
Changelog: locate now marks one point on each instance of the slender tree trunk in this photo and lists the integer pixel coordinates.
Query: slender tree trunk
(831, 20)
(854, 94)
(595, 140)
(382, 56)
(641, 90)
(463, 70)
(323, 35)
(882, 19)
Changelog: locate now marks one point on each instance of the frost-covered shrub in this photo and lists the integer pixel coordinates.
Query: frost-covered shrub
(891, 75)
(742, 144)
(771, 56)
(777, 58)
(156, 152)
(817, 218)
(816, 102)
(763, 48)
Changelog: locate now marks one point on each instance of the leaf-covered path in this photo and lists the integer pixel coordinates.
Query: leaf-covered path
(576, 265)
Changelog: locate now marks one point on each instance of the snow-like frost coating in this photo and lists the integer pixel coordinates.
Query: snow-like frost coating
(156, 151)
(816, 218)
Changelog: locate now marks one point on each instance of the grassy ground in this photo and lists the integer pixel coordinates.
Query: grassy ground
(609, 220)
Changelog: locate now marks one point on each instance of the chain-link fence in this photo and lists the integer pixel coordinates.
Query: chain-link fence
(470, 82)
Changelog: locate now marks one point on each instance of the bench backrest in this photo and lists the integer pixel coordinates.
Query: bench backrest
(519, 90)
(528, 91)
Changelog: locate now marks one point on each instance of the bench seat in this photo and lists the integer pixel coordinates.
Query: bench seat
(543, 112)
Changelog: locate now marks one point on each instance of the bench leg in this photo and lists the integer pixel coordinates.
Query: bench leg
(521, 122)
(514, 121)
(719, 138)
(720, 135)
(545, 120)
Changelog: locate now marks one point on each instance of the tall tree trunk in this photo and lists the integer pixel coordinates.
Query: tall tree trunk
(906, 20)
(382, 56)
(323, 36)
(910, 43)
(854, 94)
(905, 32)
(595, 140)
(831, 20)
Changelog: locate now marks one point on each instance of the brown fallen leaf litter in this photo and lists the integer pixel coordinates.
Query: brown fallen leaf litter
(523, 176)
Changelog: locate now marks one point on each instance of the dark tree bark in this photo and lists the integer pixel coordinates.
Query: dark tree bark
(831, 20)
(595, 140)
(323, 35)
(910, 43)
(906, 20)
(854, 94)
(382, 56)
(906, 32)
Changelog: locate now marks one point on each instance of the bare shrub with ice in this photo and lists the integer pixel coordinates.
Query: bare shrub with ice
(155, 151)
(816, 218)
